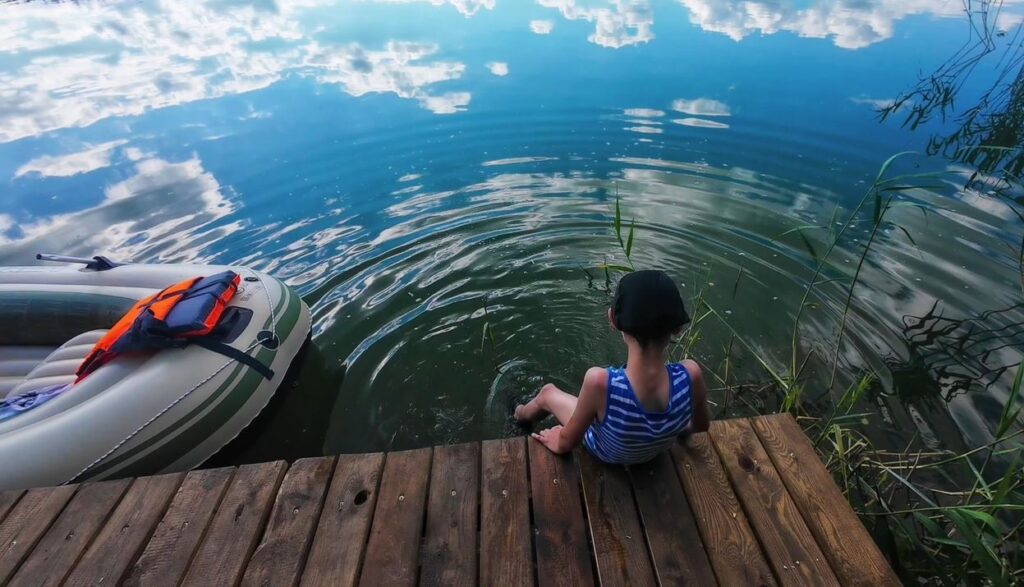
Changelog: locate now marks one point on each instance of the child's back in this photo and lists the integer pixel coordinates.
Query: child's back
(633, 433)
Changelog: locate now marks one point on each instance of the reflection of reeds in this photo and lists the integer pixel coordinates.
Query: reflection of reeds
(943, 517)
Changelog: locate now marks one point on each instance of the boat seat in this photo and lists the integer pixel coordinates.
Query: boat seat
(59, 366)
(17, 361)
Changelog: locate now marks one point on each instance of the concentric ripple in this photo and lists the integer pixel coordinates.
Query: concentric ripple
(445, 303)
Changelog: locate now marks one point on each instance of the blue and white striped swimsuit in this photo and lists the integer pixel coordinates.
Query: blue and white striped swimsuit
(629, 433)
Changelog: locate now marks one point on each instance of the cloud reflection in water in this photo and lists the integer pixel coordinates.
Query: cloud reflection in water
(621, 24)
(851, 24)
(78, 64)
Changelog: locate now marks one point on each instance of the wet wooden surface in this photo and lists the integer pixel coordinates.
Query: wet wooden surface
(747, 504)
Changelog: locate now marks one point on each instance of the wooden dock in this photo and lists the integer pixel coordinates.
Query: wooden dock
(749, 503)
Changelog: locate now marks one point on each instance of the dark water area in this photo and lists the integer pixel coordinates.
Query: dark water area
(417, 170)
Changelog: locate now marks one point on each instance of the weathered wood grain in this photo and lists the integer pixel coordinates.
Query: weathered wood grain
(393, 548)
(26, 523)
(849, 548)
(340, 542)
(506, 559)
(237, 526)
(65, 542)
(449, 554)
(166, 557)
(791, 549)
(620, 548)
(730, 542)
(126, 531)
(672, 534)
(563, 556)
(7, 500)
(279, 558)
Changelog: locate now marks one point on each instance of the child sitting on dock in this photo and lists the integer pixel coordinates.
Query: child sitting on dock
(629, 415)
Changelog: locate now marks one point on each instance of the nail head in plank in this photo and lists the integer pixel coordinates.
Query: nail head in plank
(563, 556)
(852, 552)
(449, 554)
(618, 539)
(505, 557)
(393, 548)
(279, 558)
(26, 523)
(340, 540)
(126, 531)
(66, 540)
(789, 544)
(237, 525)
(169, 551)
(672, 535)
(728, 539)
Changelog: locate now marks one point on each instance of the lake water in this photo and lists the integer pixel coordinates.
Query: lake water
(418, 169)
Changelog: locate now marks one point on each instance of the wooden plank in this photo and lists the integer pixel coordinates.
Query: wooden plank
(170, 550)
(26, 523)
(792, 551)
(728, 539)
(279, 558)
(671, 530)
(505, 553)
(450, 537)
(850, 550)
(65, 542)
(393, 548)
(237, 525)
(563, 556)
(126, 531)
(618, 539)
(337, 552)
(7, 500)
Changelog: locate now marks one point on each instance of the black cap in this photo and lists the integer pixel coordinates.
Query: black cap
(648, 305)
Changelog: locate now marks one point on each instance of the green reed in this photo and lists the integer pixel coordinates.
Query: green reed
(935, 526)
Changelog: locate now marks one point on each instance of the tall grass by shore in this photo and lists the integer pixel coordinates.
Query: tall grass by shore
(942, 517)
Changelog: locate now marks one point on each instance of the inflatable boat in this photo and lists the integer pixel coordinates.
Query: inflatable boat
(114, 409)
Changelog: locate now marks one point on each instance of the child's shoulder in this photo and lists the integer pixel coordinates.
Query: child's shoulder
(596, 377)
(692, 368)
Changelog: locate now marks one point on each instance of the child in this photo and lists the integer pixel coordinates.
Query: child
(629, 415)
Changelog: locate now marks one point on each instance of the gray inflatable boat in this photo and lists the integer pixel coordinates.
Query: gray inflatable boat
(136, 415)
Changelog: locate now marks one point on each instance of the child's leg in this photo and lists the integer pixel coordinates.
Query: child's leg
(551, 400)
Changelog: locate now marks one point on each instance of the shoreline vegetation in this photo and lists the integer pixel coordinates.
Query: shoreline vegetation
(942, 517)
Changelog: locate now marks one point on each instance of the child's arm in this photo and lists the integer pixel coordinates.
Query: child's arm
(701, 414)
(593, 393)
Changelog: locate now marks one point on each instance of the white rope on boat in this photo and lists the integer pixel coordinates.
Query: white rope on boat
(273, 329)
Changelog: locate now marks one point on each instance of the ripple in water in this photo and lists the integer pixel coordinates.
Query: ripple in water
(405, 309)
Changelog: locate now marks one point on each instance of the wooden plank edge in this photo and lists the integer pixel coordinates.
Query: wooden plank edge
(206, 527)
(373, 514)
(885, 573)
(304, 555)
(766, 568)
(14, 569)
(828, 574)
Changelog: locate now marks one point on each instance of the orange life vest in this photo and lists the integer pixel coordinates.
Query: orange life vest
(147, 325)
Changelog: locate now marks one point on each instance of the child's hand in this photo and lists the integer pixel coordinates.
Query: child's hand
(550, 438)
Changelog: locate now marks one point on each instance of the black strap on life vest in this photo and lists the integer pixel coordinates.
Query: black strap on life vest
(233, 353)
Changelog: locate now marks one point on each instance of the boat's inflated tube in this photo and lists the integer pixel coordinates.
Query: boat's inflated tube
(154, 390)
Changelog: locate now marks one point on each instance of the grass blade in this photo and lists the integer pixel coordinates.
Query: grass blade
(618, 220)
(1011, 410)
(629, 241)
(810, 247)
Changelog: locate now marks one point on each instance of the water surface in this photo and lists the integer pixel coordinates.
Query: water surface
(418, 169)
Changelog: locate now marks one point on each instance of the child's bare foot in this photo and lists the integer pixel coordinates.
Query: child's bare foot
(520, 414)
